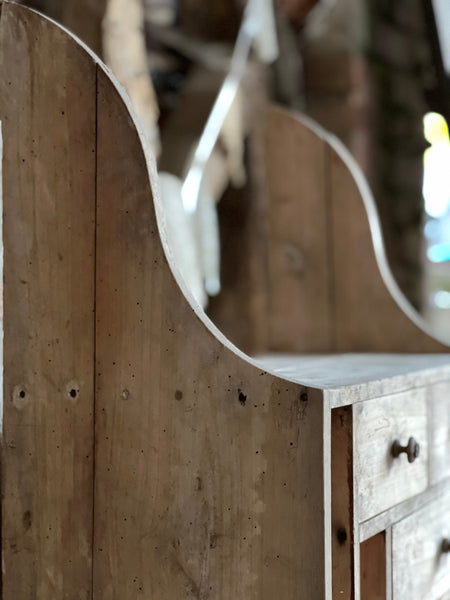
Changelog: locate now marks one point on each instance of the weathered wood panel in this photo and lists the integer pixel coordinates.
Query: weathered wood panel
(384, 481)
(47, 109)
(420, 567)
(367, 318)
(344, 550)
(327, 291)
(439, 431)
(374, 582)
(385, 520)
(299, 267)
(202, 488)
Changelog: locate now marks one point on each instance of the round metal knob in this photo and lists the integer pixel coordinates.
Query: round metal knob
(412, 449)
(446, 546)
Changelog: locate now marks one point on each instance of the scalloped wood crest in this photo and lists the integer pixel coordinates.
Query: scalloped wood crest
(143, 454)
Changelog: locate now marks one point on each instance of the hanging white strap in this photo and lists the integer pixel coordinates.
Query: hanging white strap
(258, 26)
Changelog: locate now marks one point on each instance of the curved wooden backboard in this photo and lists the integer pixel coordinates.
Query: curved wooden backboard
(144, 455)
(175, 468)
(330, 287)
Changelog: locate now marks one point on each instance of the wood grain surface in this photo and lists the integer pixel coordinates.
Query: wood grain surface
(47, 109)
(201, 487)
(300, 317)
(344, 526)
(212, 475)
(384, 481)
(374, 582)
(330, 288)
(439, 431)
(420, 568)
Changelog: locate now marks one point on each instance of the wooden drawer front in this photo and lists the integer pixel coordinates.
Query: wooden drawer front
(420, 568)
(382, 480)
(439, 429)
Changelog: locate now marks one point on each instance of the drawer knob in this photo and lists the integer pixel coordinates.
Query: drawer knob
(412, 449)
(446, 546)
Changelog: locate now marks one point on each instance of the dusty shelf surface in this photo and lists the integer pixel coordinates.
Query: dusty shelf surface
(350, 378)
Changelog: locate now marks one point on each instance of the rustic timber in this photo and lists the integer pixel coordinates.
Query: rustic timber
(383, 480)
(384, 520)
(439, 431)
(299, 276)
(216, 475)
(373, 568)
(327, 271)
(205, 441)
(344, 528)
(420, 567)
(47, 109)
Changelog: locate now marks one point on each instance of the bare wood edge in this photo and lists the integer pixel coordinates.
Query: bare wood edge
(374, 222)
(1, 277)
(389, 566)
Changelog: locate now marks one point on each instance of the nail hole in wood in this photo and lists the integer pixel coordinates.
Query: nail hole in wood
(341, 535)
(242, 398)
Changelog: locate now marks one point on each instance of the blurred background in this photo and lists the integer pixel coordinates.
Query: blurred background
(375, 73)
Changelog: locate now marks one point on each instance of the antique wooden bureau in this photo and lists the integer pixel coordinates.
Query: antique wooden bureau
(144, 455)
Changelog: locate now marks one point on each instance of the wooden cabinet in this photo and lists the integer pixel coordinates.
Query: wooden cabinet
(415, 523)
(143, 454)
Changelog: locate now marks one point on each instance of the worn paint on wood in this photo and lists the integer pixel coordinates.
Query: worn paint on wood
(384, 481)
(439, 431)
(420, 568)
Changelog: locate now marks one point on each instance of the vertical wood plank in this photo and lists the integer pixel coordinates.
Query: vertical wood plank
(47, 109)
(373, 568)
(367, 318)
(422, 570)
(202, 489)
(342, 514)
(299, 266)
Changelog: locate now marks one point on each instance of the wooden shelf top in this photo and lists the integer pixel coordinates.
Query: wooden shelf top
(351, 378)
